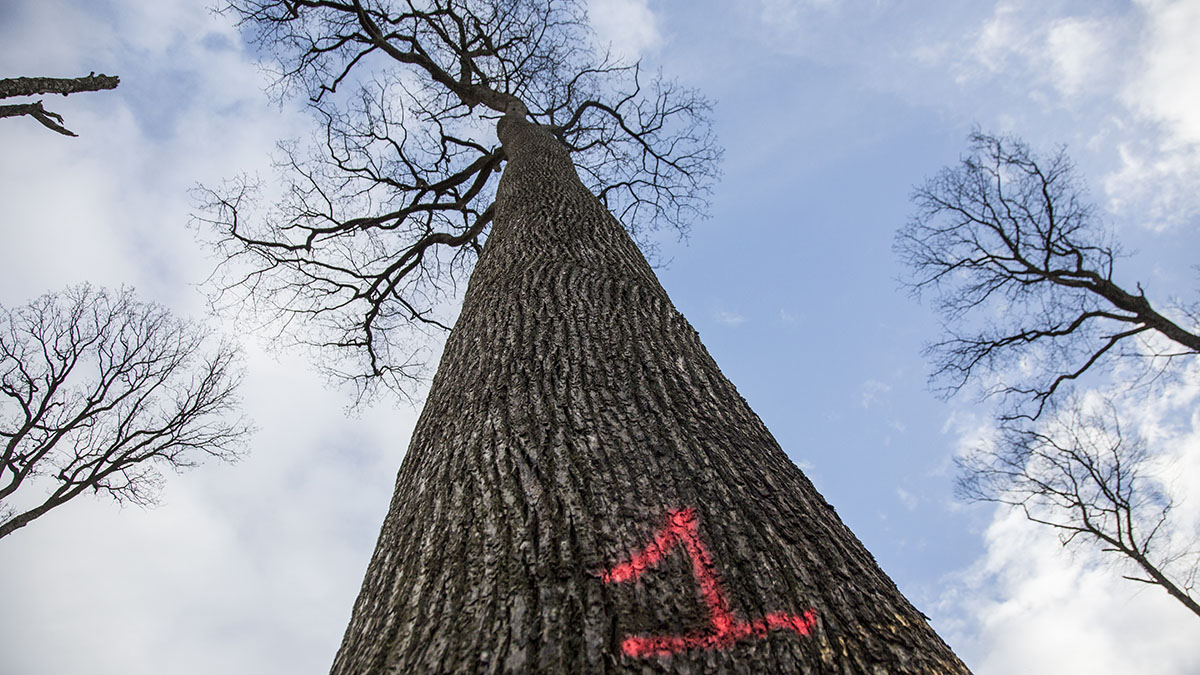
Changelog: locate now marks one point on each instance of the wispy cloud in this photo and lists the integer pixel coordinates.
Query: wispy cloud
(1017, 605)
(872, 392)
(1133, 71)
(729, 318)
(1016, 608)
(630, 27)
(1113, 80)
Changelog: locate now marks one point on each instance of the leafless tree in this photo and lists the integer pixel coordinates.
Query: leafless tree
(101, 391)
(1023, 274)
(1081, 474)
(391, 206)
(32, 86)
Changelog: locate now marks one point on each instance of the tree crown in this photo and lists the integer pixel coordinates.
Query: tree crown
(390, 206)
(1022, 270)
(99, 391)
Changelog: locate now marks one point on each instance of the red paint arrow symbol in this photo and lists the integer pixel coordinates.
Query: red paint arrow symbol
(725, 628)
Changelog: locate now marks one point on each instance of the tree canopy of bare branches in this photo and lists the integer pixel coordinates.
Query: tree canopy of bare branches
(98, 392)
(1081, 474)
(32, 86)
(385, 212)
(1023, 273)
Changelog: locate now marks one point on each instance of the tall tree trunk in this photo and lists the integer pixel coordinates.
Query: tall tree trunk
(586, 492)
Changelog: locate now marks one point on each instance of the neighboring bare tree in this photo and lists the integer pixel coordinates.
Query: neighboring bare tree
(1022, 271)
(1023, 274)
(32, 86)
(1079, 473)
(578, 445)
(98, 392)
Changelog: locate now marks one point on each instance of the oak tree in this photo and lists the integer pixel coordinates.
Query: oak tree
(584, 490)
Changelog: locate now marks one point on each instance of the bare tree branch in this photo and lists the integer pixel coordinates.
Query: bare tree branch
(50, 120)
(32, 86)
(1080, 474)
(98, 391)
(1023, 273)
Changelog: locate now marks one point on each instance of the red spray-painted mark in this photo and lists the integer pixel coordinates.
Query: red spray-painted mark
(725, 629)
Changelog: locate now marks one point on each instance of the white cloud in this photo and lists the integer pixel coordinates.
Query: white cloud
(1014, 608)
(729, 318)
(1080, 53)
(629, 26)
(1155, 185)
(1159, 171)
(872, 392)
(1113, 81)
(1128, 79)
(1014, 611)
(1166, 87)
(111, 205)
(1000, 38)
(245, 568)
(1034, 51)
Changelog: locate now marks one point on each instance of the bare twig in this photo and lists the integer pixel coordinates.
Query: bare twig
(50, 120)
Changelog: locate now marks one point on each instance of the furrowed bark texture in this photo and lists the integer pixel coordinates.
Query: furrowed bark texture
(573, 409)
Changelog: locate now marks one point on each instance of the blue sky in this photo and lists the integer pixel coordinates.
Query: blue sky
(829, 110)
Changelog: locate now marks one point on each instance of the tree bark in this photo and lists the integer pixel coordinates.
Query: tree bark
(584, 480)
(32, 86)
